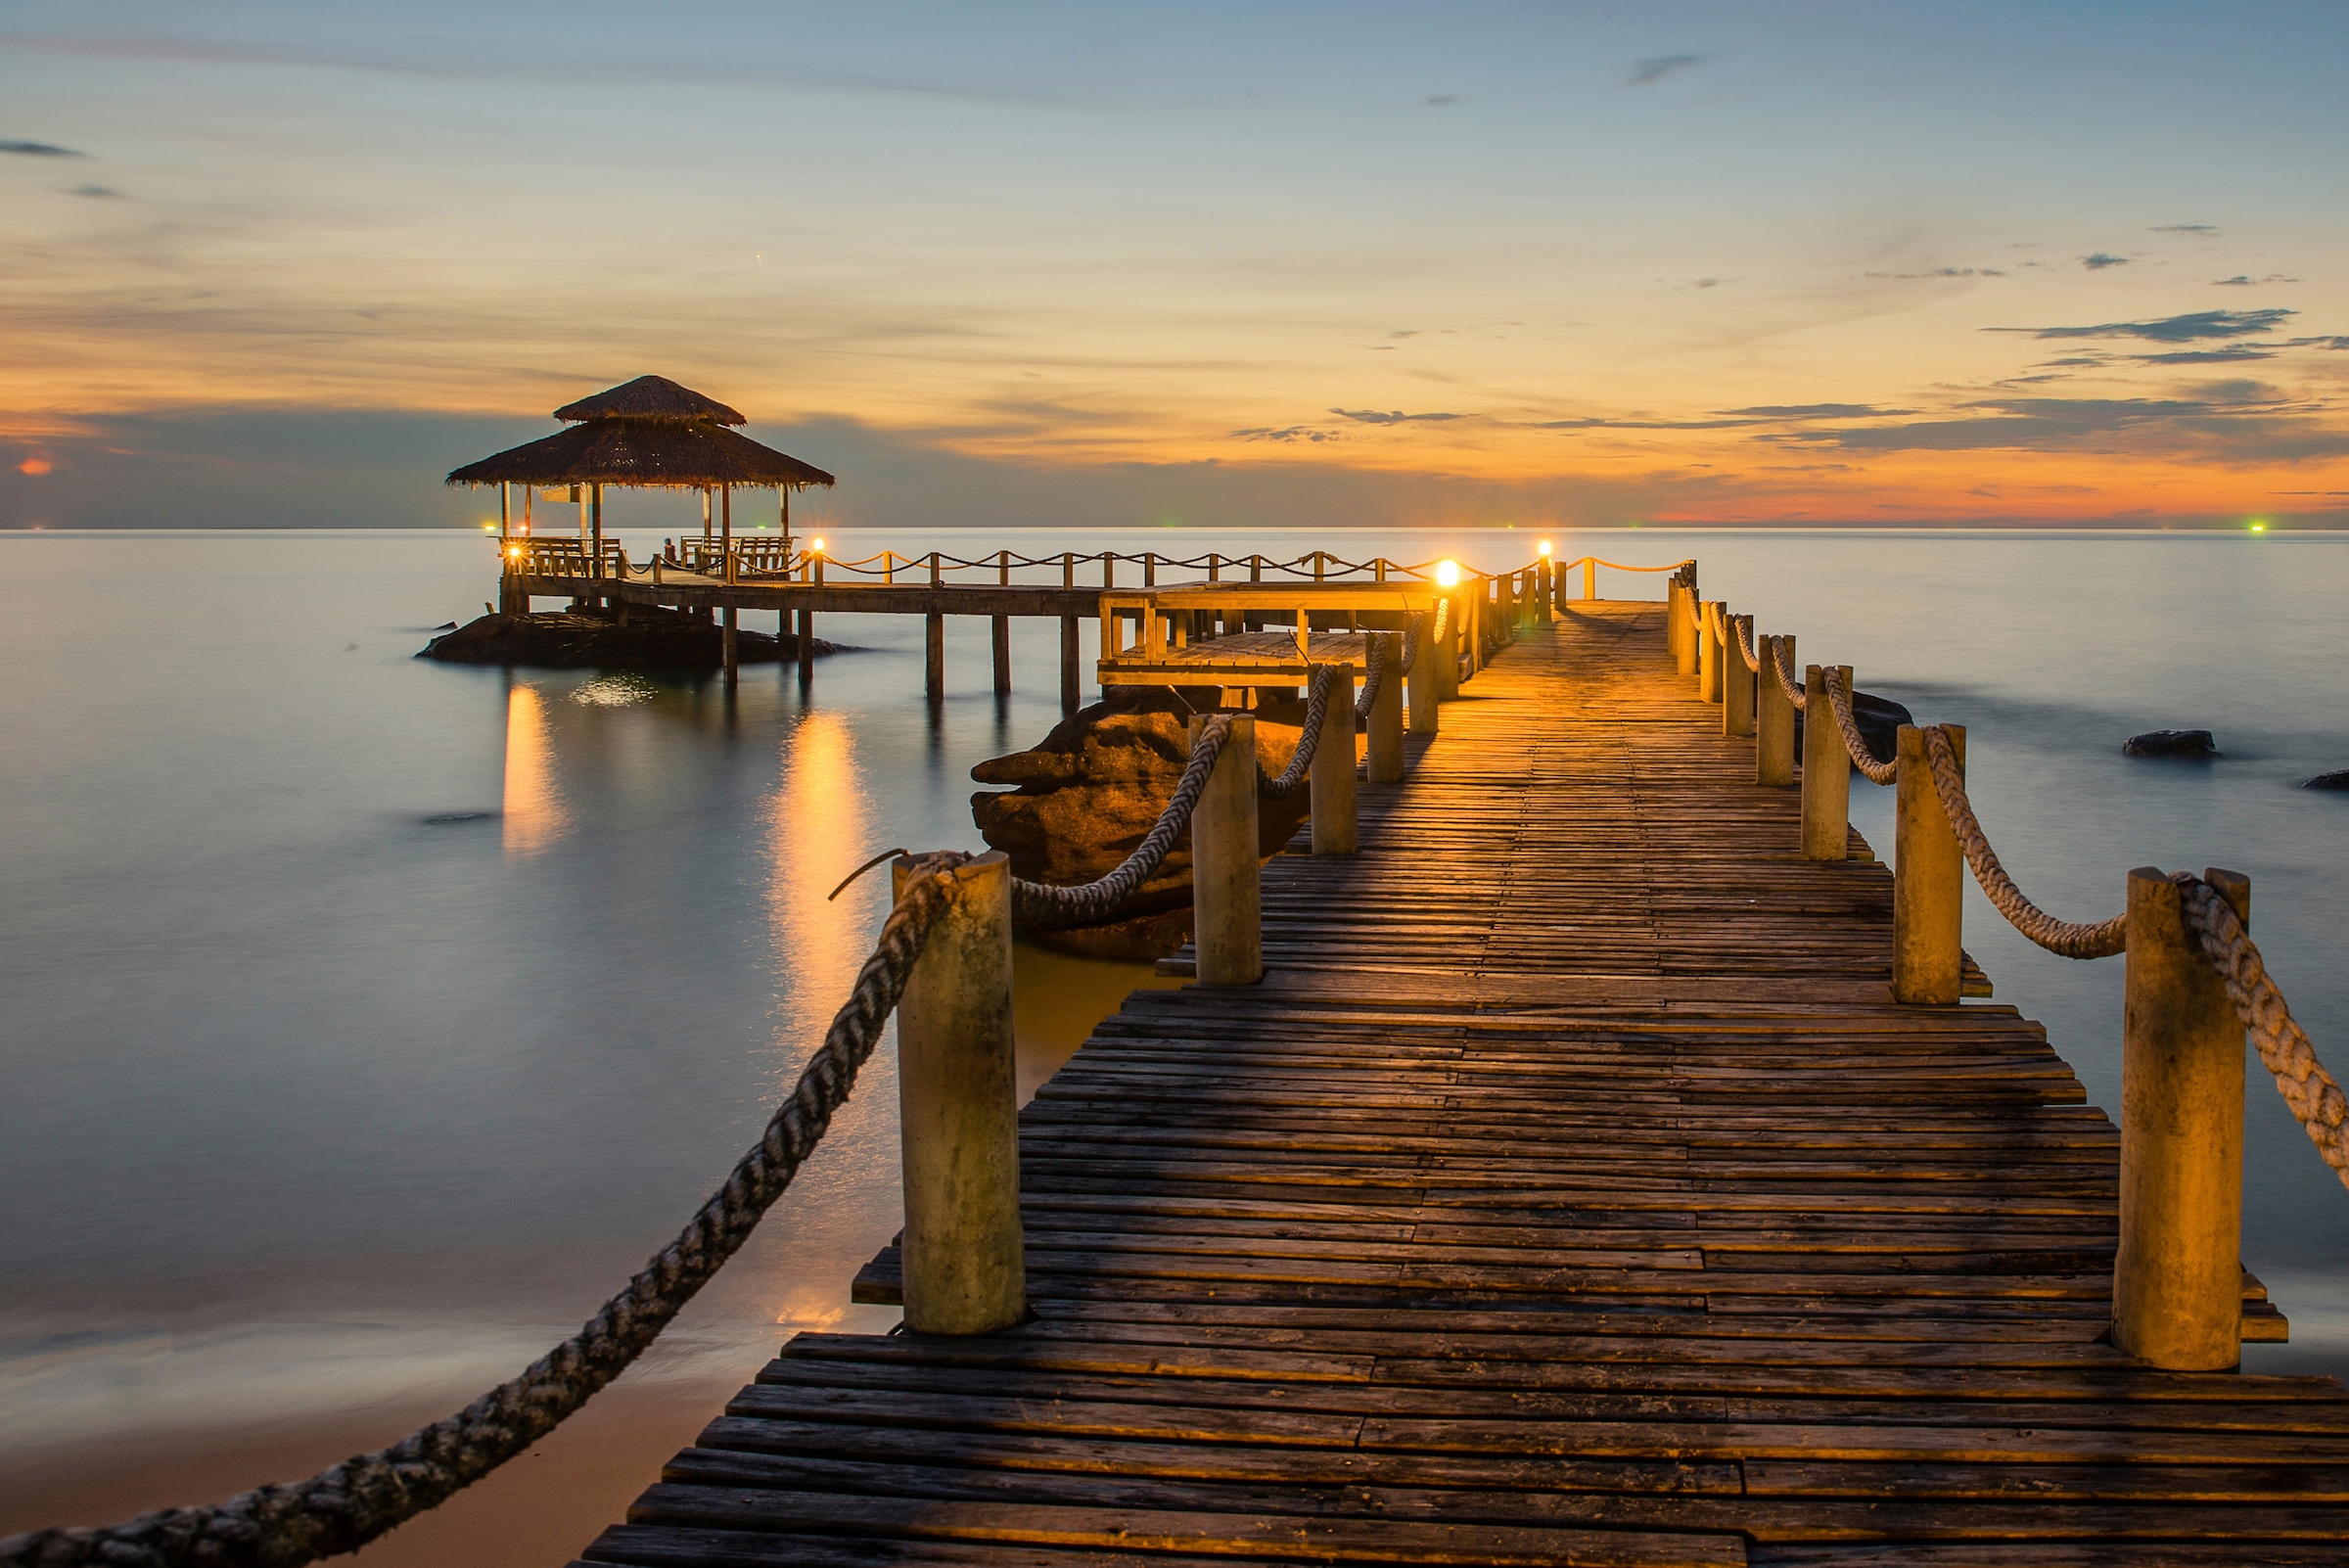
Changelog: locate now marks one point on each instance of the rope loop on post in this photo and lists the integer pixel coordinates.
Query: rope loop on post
(1792, 687)
(1839, 699)
(1316, 712)
(2100, 940)
(2283, 1047)
(1041, 903)
(342, 1509)
(1745, 642)
(1374, 670)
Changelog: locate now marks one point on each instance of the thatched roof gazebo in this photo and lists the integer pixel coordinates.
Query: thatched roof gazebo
(646, 434)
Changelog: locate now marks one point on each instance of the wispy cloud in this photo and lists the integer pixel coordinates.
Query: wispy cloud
(1439, 100)
(1816, 411)
(2191, 327)
(1286, 432)
(2230, 421)
(2101, 259)
(2184, 228)
(1372, 416)
(2204, 356)
(1656, 68)
(101, 192)
(1937, 272)
(40, 149)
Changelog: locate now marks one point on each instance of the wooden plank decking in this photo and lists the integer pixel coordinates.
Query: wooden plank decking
(1571, 1192)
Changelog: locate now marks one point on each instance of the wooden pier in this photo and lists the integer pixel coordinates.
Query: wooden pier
(1571, 1190)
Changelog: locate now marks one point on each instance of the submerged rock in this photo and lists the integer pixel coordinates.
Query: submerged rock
(2329, 781)
(594, 639)
(1087, 793)
(1879, 720)
(2171, 743)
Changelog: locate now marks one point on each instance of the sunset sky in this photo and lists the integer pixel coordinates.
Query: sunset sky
(1276, 262)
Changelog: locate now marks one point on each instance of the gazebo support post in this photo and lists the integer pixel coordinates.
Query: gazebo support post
(595, 544)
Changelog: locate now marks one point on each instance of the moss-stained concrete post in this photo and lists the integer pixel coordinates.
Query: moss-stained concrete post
(1385, 763)
(1226, 898)
(1827, 774)
(1774, 718)
(1928, 878)
(1738, 683)
(1331, 775)
(2177, 1280)
(958, 1111)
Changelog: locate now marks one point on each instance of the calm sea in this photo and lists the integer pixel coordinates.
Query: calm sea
(369, 1019)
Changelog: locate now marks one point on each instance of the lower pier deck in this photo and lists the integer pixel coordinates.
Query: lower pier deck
(1571, 1192)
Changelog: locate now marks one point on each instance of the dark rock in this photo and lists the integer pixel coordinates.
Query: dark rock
(594, 639)
(2329, 781)
(1087, 793)
(2171, 743)
(1879, 720)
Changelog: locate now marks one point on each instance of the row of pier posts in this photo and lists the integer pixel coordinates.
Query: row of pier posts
(2178, 1278)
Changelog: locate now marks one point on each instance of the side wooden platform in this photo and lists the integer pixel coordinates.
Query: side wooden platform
(1571, 1192)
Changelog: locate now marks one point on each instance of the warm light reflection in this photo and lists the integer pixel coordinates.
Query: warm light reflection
(1448, 573)
(534, 816)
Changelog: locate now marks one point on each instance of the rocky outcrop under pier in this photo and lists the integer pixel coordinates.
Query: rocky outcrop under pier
(1085, 795)
(594, 639)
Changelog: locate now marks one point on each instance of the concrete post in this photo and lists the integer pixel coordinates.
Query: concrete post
(1774, 719)
(1708, 653)
(1545, 591)
(1448, 650)
(1385, 764)
(1226, 898)
(1683, 628)
(1426, 686)
(1739, 684)
(1331, 772)
(1590, 577)
(958, 1112)
(1827, 774)
(2177, 1281)
(1928, 878)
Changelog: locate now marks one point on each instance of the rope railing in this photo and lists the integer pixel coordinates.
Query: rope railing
(1316, 712)
(1044, 903)
(1792, 687)
(2283, 1045)
(1745, 642)
(2099, 938)
(1374, 671)
(348, 1504)
(1839, 700)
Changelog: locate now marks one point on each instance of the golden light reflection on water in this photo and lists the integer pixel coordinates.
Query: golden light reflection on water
(533, 812)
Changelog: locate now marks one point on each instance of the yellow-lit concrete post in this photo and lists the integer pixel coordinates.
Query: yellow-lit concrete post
(1774, 719)
(1426, 686)
(2177, 1280)
(1330, 774)
(1448, 648)
(1227, 896)
(1590, 577)
(1928, 878)
(1545, 591)
(1708, 651)
(1827, 774)
(1385, 762)
(1685, 631)
(1738, 683)
(958, 1110)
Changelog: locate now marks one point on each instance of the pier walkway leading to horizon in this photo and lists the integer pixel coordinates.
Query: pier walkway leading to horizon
(1570, 1191)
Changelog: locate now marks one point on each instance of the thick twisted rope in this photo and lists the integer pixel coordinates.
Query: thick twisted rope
(1410, 640)
(1839, 699)
(1040, 903)
(343, 1508)
(2283, 1048)
(1792, 687)
(1374, 670)
(2101, 940)
(1745, 642)
(1316, 712)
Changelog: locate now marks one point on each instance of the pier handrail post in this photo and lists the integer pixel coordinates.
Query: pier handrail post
(1426, 684)
(1928, 878)
(1448, 650)
(1826, 773)
(1707, 651)
(964, 1256)
(2176, 1279)
(1330, 774)
(1385, 762)
(1774, 718)
(1072, 690)
(1546, 592)
(1739, 684)
(1227, 894)
(1685, 628)
(1589, 578)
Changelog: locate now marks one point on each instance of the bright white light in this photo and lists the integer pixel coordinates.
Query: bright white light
(815, 546)
(1448, 573)
(1544, 549)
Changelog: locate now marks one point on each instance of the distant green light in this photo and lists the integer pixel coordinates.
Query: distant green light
(2259, 525)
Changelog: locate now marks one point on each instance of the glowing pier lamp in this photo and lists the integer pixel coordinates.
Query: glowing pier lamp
(1544, 549)
(815, 546)
(1448, 573)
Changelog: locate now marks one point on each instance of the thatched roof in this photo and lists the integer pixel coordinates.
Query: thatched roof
(646, 453)
(653, 397)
